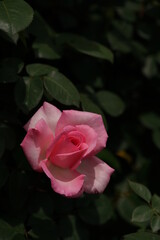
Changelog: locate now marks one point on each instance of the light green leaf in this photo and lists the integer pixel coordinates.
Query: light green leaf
(62, 89)
(45, 50)
(150, 120)
(141, 214)
(140, 190)
(111, 103)
(98, 212)
(38, 69)
(142, 236)
(156, 138)
(86, 46)
(155, 223)
(15, 16)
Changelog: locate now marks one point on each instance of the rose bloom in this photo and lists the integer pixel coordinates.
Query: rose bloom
(63, 145)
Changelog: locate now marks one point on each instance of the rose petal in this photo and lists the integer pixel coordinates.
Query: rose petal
(36, 142)
(97, 174)
(49, 113)
(90, 137)
(63, 181)
(73, 118)
(63, 152)
(70, 160)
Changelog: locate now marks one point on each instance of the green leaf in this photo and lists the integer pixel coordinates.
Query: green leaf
(28, 93)
(155, 223)
(34, 92)
(124, 28)
(98, 212)
(7, 232)
(118, 43)
(43, 33)
(45, 50)
(15, 16)
(86, 46)
(111, 103)
(127, 14)
(142, 236)
(150, 68)
(141, 214)
(38, 69)
(140, 190)
(156, 138)
(88, 105)
(9, 69)
(62, 89)
(43, 227)
(150, 120)
(72, 229)
(156, 203)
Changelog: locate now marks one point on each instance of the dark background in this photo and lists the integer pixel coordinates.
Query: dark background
(126, 93)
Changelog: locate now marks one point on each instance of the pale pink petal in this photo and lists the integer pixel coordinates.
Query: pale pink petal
(97, 174)
(49, 113)
(90, 137)
(36, 142)
(63, 181)
(74, 118)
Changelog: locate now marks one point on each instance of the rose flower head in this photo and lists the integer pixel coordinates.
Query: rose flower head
(63, 145)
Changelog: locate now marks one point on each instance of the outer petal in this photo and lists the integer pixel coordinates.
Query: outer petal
(36, 142)
(73, 118)
(49, 113)
(97, 174)
(63, 181)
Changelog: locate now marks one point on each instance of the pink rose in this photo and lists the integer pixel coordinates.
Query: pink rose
(63, 145)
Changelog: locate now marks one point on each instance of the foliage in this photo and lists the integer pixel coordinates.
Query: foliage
(98, 56)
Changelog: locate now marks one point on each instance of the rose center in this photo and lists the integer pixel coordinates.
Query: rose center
(75, 141)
